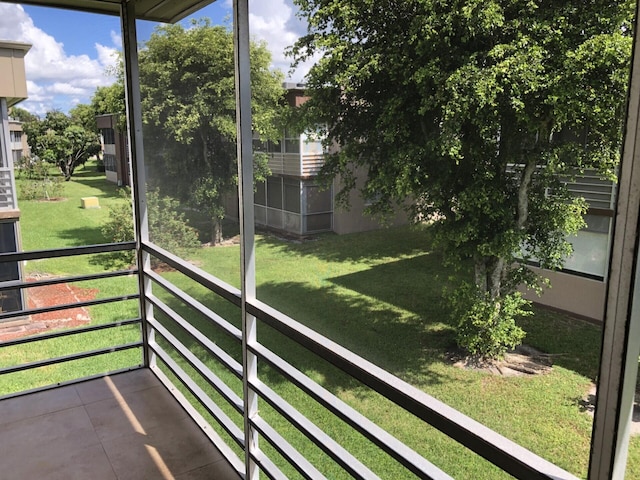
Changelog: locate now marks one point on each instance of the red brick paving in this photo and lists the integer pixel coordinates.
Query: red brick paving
(47, 296)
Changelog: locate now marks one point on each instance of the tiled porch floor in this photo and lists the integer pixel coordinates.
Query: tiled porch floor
(126, 426)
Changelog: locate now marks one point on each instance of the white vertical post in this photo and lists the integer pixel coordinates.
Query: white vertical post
(621, 337)
(7, 153)
(136, 154)
(247, 248)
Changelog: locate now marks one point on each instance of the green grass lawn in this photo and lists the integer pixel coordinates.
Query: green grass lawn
(377, 293)
(63, 223)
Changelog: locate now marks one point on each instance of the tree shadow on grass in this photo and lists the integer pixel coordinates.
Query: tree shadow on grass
(399, 342)
(106, 188)
(373, 245)
(396, 341)
(82, 236)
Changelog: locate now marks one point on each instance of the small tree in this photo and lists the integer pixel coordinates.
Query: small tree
(168, 226)
(188, 88)
(57, 140)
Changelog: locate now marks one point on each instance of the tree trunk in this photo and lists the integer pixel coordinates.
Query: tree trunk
(489, 272)
(216, 232)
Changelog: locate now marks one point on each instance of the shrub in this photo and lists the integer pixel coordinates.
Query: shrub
(39, 184)
(486, 326)
(168, 227)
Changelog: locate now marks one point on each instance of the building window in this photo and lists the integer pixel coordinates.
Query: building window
(108, 136)
(260, 194)
(274, 192)
(292, 193)
(291, 142)
(17, 155)
(109, 162)
(317, 200)
(16, 136)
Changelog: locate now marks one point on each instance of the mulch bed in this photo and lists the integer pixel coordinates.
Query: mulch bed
(48, 296)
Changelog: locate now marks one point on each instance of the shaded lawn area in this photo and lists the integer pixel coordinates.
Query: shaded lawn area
(377, 293)
(380, 294)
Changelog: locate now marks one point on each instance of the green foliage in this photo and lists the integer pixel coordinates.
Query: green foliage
(22, 115)
(119, 227)
(168, 226)
(188, 94)
(39, 184)
(85, 116)
(110, 101)
(474, 110)
(486, 326)
(58, 140)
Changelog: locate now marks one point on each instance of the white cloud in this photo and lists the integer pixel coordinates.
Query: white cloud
(116, 39)
(50, 70)
(276, 23)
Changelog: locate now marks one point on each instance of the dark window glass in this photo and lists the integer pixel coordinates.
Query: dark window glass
(292, 196)
(318, 223)
(260, 194)
(274, 192)
(318, 201)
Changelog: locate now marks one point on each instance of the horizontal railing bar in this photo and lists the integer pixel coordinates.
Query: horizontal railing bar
(207, 280)
(409, 458)
(216, 412)
(266, 465)
(201, 308)
(502, 452)
(13, 284)
(327, 444)
(75, 381)
(67, 306)
(212, 379)
(223, 357)
(284, 448)
(68, 358)
(66, 333)
(66, 252)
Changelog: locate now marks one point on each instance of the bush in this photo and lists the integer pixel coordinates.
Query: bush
(487, 327)
(168, 227)
(39, 184)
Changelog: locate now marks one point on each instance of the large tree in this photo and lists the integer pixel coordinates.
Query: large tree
(22, 115)
(187, 85)
(475, 110)
(57, 139)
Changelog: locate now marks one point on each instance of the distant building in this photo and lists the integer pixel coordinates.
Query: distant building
(17, 141)
(580, 287)
(114, 150)
(292, 200)
(13, 89)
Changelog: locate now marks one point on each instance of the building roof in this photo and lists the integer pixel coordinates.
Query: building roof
(166, 11)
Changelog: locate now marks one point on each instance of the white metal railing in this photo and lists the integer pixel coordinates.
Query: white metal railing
(6, 188)
(295, 164)
(495, 448)
(66, 353)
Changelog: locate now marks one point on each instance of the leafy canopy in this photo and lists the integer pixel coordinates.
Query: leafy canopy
(59, 140)
(188, 89)
(475, 110)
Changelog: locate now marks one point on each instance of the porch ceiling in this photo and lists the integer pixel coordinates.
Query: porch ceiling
(166, 11)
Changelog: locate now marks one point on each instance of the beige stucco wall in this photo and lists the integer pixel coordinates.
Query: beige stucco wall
(354, 219)
(13, 81)
(579, 295)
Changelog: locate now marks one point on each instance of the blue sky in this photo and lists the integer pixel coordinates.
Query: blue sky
(72, 51)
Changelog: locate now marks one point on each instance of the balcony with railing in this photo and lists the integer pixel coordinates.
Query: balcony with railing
(189, 376)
